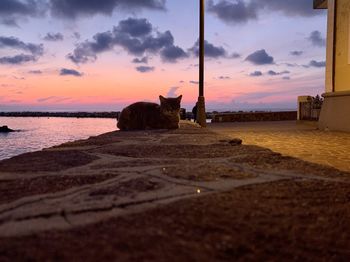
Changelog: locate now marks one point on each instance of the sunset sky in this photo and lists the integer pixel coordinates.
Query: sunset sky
(93, 55)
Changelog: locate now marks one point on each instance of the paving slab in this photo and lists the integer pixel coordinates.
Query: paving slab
(301, 140)
(186, 194)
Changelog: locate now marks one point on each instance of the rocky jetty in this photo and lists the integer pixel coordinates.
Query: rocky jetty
(5, 129)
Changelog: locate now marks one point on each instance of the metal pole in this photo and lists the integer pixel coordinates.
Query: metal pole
(201, 48)
(201, 114)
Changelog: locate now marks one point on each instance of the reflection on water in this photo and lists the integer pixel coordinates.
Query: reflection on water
(42, 132)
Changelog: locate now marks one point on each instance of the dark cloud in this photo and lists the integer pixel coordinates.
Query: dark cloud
(286, 78)
(135, 27)
(74, 8)
(12, 10)
(318, 64)
(194, 82)
(316, 39)
(235, 55)
(145, 69)
(10, 21)
(35, 72)
(172, 53)
(274, 73)
(14, 7)
(291, 65)
(224, 77)
(172, 91)
(53, 37)
(233, 11)
(15, 43)
(289, 7)
(296, 53)
(76, 35)
(155, 43)
(19, 78)
(255, 95)
(256, 73)
(17, 59)
(260, 57)
(70, 72)
(45, 99)
(240, 11)
(142, 39)
(143, 60)
(53, 99)
(210, 50)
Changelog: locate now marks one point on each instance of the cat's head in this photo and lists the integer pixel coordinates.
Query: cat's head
(170, 106)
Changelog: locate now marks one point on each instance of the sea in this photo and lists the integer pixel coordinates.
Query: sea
(36, 133)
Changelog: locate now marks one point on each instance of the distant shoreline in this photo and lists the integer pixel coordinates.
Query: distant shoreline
(115, 114)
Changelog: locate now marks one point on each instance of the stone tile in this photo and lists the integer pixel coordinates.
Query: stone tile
(297, 140)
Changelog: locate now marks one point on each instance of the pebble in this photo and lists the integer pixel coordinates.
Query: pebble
(236, 142)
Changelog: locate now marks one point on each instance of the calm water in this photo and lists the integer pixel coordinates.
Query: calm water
(38, 133)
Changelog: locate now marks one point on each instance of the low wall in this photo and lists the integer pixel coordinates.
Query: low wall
(335, 114)
(255, 116)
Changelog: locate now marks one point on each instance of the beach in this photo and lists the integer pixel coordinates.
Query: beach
(181, 195)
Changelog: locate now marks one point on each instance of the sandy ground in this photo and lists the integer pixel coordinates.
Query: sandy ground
(185, 195)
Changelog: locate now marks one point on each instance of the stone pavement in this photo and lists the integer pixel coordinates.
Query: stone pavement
(184, 195)
(301, 140)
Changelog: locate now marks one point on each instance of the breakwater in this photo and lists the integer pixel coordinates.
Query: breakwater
(215, 116)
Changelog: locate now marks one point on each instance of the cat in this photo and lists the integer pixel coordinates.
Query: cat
(145, 116)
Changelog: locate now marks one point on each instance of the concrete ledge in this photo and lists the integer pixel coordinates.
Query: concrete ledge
(335, 113)
(251, 117)
(337, 94)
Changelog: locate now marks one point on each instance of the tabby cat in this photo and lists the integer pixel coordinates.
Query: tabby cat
(144, 115)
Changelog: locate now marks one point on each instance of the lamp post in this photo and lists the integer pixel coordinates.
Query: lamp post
(201, 115)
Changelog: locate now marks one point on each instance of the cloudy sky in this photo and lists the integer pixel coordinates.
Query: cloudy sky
(105, 54)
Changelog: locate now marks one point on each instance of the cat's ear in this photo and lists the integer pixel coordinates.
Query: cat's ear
(179, 98)
(162, 99)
